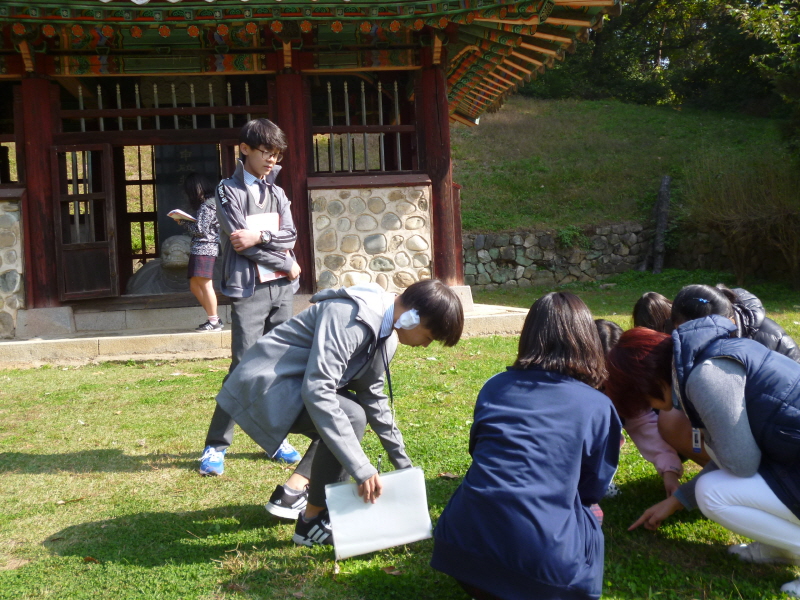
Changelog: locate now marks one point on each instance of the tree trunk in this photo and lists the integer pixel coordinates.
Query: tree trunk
(662, 218)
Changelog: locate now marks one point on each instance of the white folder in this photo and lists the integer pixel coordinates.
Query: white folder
(399, 516)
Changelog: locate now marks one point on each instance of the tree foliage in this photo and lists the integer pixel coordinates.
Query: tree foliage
(778, 23)
(692, 52)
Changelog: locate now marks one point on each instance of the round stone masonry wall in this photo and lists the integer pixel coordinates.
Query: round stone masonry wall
(380, 235)
(12, 295)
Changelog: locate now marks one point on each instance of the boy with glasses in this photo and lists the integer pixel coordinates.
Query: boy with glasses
(260, 273)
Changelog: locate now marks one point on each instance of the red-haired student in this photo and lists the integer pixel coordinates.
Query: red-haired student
(743, 401)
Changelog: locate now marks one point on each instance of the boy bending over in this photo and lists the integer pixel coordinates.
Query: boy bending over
(321, 374)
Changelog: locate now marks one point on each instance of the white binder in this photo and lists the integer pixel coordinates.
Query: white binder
(400, 516)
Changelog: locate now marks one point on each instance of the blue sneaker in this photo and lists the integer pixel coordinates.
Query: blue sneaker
(213, 461)
(287, 454)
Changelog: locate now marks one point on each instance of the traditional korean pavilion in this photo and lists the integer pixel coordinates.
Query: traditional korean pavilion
(109, 104)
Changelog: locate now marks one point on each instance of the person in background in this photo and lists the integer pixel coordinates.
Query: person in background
(652, 310)
(642, 427)
(205, 246)
(544, 446)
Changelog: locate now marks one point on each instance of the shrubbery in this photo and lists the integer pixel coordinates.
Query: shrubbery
(751, 202)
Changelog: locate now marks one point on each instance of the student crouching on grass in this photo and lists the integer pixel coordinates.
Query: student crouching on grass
(544, 446)
(321, 374)
(743, 403)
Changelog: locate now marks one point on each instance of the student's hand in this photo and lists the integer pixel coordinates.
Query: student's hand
(671, 482)
(242, 239)
(655, 515)
(294, 272)
(371, 489)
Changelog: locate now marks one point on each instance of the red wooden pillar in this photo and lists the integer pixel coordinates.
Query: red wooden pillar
(39, 108)
(293, 115)
(433, 121)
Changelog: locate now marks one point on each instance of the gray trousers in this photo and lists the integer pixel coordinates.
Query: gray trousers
(319, 464)
(269, 306)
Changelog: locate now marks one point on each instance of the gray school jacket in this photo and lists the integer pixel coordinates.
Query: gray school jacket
(234, 204)
(331, 345)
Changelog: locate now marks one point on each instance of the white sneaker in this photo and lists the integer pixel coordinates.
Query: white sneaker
(756, 552)
(792, 588)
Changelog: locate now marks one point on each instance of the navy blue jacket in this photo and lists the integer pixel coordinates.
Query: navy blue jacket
(772, 397)
(544, 448)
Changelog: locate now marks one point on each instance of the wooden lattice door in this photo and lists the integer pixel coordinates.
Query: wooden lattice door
(84, 221)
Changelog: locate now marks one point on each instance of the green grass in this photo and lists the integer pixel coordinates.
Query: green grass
(99, 497)
(547, 163)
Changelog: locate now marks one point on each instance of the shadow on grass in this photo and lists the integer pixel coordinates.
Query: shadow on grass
(685, 559)
(153, 539)
(105, 460)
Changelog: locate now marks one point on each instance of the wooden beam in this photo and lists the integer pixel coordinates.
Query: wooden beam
(463, 120)
(520, 67)
(540, 49)
(568, 22)
(510, 72)
(109, 113)
(39, 106)
(294, 117)
(437, 49)
(503, 79)
(552, 37)
(27, 56)
(146, 137)
(434, 120)
(538, 63)
(363, 129)
(287, 55)
(534, 20)
(582, 3)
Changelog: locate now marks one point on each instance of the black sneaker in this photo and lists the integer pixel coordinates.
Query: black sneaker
(316, 532)
(209, 326)
(285, 505)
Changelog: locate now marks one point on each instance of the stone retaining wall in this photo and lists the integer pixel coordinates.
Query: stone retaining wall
(12, 295)
(523, 259)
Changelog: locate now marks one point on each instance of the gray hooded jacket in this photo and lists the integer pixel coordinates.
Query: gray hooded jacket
(330, 346)
(234, 204)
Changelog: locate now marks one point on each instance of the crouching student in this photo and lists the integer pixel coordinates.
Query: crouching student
(321, 374)
(544, 446)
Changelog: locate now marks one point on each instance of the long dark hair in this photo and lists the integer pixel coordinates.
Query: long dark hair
(652, 310)
(560, 335)
(698, 301)
(197, 188)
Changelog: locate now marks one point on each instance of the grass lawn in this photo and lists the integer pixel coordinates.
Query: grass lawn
(555, 163)
(99, 497)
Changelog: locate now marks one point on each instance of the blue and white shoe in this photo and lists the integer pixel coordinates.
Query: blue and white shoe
(213, 461)
(287, 454)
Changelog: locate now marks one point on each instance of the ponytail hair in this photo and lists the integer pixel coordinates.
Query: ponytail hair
(698, 301)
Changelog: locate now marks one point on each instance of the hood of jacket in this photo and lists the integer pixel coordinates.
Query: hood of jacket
(372, 300)
(690, 341)
(749, 313)
(238, 174)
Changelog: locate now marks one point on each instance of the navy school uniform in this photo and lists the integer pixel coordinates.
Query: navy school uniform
(544, 448)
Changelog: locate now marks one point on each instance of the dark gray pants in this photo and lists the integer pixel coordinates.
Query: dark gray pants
(319, 464)
(269, 306)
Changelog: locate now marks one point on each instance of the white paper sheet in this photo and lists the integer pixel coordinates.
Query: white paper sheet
(266, 222)
(400, 516)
